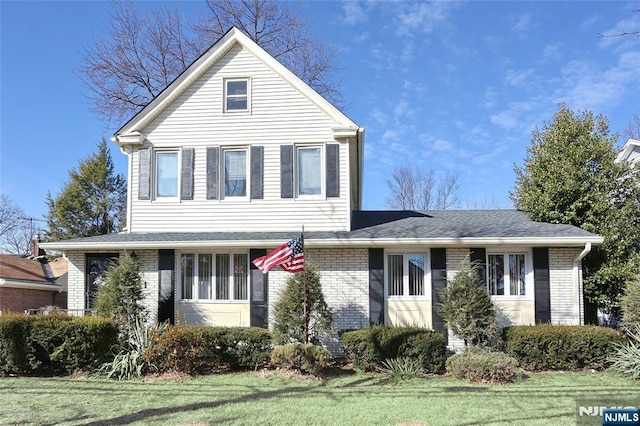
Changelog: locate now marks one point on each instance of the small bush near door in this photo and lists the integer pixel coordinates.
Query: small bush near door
(369, 347)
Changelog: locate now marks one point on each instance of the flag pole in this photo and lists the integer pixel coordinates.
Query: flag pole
(305, 313)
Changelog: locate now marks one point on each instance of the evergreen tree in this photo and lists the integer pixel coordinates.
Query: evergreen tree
(570, 176)
(466, 307)
(92, 202)
(290, 319)
(121, 294)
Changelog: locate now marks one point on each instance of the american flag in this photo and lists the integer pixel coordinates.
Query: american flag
(289, 256)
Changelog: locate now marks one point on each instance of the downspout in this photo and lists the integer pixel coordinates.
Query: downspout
(128, 151)
(576, 276)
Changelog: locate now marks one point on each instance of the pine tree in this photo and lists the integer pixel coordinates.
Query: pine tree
(466, 307)
(92, 202)
(290, 319)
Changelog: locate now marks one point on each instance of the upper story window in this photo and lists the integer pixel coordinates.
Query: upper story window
(236, 94)
(506, 274)
(309, 170)
(235, 172)
(166, 176)
(406, 275)
(214, 276)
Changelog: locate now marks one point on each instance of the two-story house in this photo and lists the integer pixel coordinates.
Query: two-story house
(237, 154)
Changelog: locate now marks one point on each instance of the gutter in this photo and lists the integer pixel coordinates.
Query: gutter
(30, 286)
(325, 243)
(576, 277)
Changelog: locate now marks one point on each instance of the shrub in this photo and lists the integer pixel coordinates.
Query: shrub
(369, 347)
(561, 347)
(467, 308)
(626, 357)
(196, 349)
(630, 301)
(291, 325)
(53, 344)
(483, 367)
(401, 369)
(306, 358)
(130, 363)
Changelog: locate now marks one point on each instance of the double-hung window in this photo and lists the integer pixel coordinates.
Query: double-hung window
(506, 274)
(406, 275)
(235, 172)
(236, 94)
(214, 276)
(166, 176)
(309, 170)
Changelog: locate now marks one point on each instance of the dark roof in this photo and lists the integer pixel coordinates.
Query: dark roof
(445, 225)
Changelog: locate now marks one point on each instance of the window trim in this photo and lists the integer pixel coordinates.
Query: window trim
(427, 277)
(247, 177)
(195, 289)
(296, 169)
(156, 152)
(226, 96)
(528, 277)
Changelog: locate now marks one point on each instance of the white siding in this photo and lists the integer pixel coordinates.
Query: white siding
(279, 115)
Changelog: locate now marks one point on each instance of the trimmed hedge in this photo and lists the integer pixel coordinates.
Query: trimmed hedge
(367, 348)
(561, 347)
(195, 349)
(54, 344)
(483, 367)
(298, 356)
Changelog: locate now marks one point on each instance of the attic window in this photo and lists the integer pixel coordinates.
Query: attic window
(236, 95)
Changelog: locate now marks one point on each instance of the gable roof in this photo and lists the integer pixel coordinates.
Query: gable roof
(442, 228)
(130, 131)
(629, 147)
(26, 273)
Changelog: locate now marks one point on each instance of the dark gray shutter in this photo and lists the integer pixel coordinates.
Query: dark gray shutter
(259, 302)
(213, 163)
(439, 282)
(257, 172)
(478, 257)
(144, 174)
(166, 287)
(542, 299)
(376, 286)
(186, 179)
(333, 170)
(286, 171)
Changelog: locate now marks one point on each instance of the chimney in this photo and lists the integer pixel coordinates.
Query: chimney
(36, 251)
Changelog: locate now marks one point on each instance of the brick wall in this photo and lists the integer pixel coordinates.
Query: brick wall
(344, 276)
(20, 299)
(148, 263)
(562, 285)
(76, 280)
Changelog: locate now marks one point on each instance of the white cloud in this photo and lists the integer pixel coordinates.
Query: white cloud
(523, 24)
(520, 78)
(586, 86)
(516, 115)
(422, 17)
(490, 96)
(361, 38)
(552, 51)
(353, 12)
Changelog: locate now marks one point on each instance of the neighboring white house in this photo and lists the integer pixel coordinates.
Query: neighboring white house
(630, 152)
(237, 154)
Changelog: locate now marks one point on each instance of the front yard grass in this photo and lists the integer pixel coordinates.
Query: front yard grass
(271, 399)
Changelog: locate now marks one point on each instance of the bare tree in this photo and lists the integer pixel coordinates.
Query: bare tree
(143, 52)
(15, 229)
(632, 131)
(414, 189)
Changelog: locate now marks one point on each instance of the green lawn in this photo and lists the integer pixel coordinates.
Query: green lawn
(250, 398)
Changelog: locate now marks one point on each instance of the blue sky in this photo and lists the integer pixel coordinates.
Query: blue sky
(456, 87)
